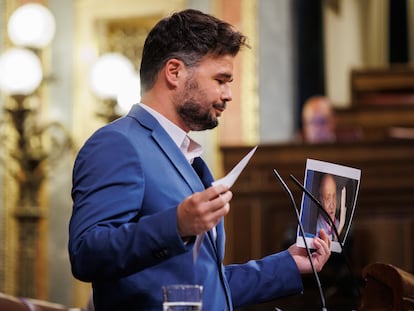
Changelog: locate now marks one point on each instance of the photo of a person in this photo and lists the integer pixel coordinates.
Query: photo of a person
(328, 199)
(335, 187)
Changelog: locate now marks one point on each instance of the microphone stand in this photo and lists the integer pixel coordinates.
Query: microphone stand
(292, 200)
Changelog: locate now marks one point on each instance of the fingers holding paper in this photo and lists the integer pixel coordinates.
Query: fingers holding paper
(320, 256)
(201, 211)
(323, 250)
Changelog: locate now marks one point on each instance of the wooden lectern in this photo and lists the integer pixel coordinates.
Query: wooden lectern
(387, 288)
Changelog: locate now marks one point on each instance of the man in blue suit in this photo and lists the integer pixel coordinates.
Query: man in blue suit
(145, 214)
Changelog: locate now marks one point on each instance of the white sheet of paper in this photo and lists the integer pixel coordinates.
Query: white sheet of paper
(232, 176)
(227, 180)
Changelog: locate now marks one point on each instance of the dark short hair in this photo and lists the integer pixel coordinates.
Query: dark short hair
(187, 35)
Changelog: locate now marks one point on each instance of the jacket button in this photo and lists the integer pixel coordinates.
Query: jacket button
(161, 253)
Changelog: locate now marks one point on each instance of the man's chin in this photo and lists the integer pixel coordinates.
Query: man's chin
(208, 126)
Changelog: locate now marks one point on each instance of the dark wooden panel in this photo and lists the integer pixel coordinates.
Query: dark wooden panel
(392, 85)
(375, 123)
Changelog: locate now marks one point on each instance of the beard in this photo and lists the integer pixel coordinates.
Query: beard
(194, 109)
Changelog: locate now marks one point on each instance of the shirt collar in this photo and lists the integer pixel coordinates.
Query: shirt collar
(190, 148)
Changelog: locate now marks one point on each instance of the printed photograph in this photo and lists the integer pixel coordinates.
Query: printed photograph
(331, 205)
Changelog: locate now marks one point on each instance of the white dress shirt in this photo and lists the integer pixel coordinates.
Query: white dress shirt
(190, 148)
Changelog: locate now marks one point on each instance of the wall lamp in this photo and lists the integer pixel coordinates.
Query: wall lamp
(115, 83)
(28, 147)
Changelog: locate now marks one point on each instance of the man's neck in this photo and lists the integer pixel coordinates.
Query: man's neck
(163, 106)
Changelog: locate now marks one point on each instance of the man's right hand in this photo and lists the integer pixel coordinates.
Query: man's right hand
(202, 211)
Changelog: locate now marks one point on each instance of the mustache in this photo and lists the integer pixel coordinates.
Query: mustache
(220, 105)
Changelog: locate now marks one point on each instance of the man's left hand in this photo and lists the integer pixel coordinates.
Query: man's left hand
(320, 256)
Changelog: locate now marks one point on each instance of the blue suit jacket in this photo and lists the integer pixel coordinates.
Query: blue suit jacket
(128, 180)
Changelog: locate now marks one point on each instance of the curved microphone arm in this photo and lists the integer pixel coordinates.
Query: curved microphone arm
(326, 216)
(292, 200)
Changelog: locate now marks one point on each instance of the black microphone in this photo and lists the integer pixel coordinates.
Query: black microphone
(302, 231)
(332, 224)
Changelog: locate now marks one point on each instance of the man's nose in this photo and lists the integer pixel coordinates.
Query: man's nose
(227, 94)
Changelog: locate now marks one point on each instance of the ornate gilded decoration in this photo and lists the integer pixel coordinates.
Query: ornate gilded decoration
(29, 147)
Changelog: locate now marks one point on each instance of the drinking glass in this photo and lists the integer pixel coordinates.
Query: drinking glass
(182, 297)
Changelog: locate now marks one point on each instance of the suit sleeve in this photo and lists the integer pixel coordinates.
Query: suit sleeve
(107, 236)
(262, 280)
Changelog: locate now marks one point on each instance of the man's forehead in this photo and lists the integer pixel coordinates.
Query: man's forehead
(218, 65)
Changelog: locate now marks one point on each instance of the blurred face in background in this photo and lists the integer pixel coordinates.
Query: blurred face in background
(318, 121)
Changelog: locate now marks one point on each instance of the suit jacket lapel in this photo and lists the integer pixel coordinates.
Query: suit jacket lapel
(167, 145)
(221, 238)
(197, 177)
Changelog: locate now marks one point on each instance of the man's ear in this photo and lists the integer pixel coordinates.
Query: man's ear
(173, 71)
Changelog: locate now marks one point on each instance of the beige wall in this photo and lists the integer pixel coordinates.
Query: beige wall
(355, 36)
